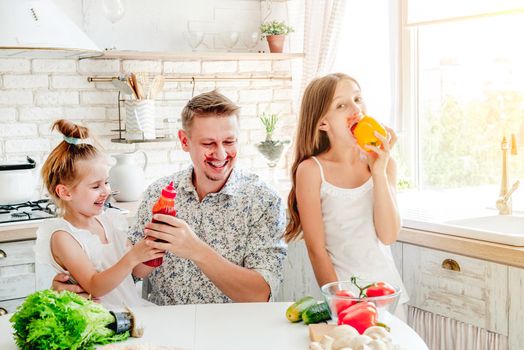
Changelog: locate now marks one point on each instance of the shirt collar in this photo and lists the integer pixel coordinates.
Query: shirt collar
(231, 187)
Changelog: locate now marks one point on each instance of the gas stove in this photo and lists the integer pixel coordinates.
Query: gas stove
(27, 211)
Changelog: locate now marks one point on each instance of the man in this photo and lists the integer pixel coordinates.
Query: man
(225, 243)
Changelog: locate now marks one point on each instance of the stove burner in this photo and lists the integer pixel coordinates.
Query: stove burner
(20, 214)
(31, 210)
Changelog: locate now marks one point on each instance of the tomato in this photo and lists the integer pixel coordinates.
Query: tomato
(379, 289)
(342, 304)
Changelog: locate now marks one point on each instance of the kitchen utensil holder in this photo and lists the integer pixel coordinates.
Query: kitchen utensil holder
(133, 135)
(140, 119)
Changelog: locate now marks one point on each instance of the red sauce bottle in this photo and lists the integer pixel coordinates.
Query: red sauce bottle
(165, 205)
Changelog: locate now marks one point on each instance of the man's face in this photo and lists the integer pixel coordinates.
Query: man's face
(212, 143)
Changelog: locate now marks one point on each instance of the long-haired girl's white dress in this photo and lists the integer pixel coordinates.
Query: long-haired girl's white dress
(351, 238)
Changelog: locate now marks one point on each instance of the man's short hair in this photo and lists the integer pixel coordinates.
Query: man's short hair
(210, 103)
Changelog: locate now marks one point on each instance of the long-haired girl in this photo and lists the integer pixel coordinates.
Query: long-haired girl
(342, 196)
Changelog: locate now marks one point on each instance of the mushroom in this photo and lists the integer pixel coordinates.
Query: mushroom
(342, 342)
(315, 345)
(377, 332)
(327, 342)
(342, 330)
(376, 344)
(359, 341)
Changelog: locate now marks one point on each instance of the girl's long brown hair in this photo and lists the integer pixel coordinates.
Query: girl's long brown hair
(309, 140)
(60, 165)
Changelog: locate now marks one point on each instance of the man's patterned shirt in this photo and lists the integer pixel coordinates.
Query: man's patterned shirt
(243, 222)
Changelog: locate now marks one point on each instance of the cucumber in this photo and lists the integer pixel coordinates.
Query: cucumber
(294, 312)
(316, 313)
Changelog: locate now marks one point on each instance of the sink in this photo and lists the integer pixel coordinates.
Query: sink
(503, 224)
(505, 229)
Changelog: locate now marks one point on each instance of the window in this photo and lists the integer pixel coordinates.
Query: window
(364, 52)
(463, 90)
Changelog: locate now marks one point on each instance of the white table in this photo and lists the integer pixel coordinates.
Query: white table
(226, 326)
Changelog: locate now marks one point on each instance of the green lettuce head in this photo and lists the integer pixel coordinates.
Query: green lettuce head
(62, 320)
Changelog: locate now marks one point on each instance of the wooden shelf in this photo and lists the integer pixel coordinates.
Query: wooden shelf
(192, 56)
(158, 139)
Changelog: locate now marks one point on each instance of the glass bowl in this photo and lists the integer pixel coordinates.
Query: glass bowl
(385, 304)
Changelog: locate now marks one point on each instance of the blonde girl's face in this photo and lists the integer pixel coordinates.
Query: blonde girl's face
(87, 197)
(347, 108)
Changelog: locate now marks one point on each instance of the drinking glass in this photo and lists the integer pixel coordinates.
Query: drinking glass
(114, 10)
(229, 39)
(250, 39)
(193, 38)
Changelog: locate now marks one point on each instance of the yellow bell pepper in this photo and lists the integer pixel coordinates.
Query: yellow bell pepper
(364, 132)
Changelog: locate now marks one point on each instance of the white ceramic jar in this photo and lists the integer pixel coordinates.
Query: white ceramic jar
(127, 177)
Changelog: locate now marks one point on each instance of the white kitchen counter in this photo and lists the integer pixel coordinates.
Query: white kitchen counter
(227, 326)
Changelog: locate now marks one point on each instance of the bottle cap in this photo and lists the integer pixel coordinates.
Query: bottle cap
(123, 322)
(169, 191)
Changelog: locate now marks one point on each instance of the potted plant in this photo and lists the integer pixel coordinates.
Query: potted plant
(270, 148)
(275, 32)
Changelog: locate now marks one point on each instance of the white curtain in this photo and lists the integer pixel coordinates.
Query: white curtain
(317, 24)
(443, 333)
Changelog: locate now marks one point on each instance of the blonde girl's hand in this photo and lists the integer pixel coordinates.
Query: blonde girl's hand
(378, 159)
(141, 252)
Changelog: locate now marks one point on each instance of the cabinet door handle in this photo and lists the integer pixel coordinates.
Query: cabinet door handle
(450, 264)
(3, 311)
(3, 254)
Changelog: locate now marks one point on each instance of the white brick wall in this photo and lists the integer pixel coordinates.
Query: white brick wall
(53, 98)
(7, 114)
(25, 81)
(99, 66)
(12, 65)
(184, 67)
(70, 82)
(54, 66)
(36, 92)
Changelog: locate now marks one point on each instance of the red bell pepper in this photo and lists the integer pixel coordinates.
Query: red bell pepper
(342, 304)
(360, 316)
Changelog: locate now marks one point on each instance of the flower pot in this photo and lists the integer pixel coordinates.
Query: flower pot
(276, 43)
(271, 150)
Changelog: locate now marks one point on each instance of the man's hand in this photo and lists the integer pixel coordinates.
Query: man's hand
(178, 236)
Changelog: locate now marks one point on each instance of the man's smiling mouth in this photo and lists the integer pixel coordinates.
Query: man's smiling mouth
(218, 164)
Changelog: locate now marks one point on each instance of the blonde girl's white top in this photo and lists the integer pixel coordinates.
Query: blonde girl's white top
(102, 256)
(351, 238)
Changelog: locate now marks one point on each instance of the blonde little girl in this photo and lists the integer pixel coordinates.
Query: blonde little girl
(88, 242)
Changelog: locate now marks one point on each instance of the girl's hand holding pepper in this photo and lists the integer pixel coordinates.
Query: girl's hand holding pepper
(378, 159)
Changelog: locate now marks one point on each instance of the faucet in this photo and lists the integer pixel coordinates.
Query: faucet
(504, 201)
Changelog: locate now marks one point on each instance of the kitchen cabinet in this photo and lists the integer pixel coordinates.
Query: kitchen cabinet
(17, 273)
(469, 290)
(516, 311)
(480, 293)
(299, 278)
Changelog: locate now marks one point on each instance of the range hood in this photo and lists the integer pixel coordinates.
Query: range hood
(38, 28)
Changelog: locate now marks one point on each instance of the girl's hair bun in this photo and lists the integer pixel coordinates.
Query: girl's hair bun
(70, 129)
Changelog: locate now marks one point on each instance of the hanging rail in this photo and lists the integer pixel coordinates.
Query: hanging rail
(202, 78)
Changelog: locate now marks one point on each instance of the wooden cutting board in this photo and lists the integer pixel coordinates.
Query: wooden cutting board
(317, 331)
